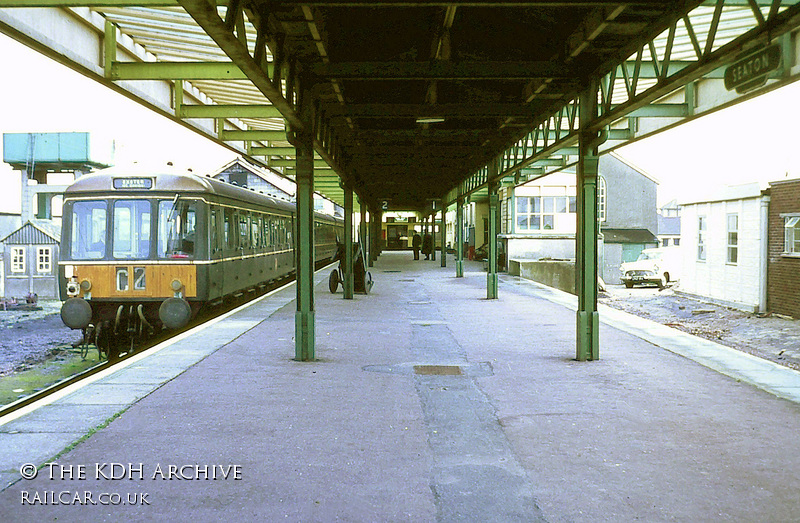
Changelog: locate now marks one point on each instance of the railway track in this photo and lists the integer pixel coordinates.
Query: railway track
(207, 316)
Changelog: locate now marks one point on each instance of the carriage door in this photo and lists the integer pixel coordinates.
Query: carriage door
(231, 252)
(216, 246)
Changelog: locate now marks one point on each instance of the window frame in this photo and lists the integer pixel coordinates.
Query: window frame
(17, 258)
(183, 214)
(543, 214)
(47, 266)
(702, 227)
(732, 247)
(89, 229)
(139, 232)
(602, 199)
(791, 234)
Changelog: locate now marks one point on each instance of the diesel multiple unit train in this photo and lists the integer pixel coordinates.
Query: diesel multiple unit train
(140, 253)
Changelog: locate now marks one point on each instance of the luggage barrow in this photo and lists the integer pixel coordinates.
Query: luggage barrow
(362, 279)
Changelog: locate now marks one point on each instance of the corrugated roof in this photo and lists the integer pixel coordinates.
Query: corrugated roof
(30, 234)
(327, 34)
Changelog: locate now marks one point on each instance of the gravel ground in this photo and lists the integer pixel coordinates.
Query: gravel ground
(30, 337)
(767, 336)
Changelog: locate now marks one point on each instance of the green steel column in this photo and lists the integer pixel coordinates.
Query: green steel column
(304, 248)
(588, 320)
(368, 239)
(378, 234)
(347, 284)
(362, 230)
(491, 276)
(373, 237)
(443, 235)
(459, 237)
(433, 231)
(426, 232)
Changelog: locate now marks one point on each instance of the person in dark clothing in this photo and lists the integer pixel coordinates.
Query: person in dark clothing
(416, 243)
(427, 246)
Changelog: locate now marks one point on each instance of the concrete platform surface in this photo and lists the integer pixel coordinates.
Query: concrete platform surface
(427, 403)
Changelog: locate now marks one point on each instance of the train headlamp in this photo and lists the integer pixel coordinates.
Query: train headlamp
(176, 285)
(72, 288)
(86, 285)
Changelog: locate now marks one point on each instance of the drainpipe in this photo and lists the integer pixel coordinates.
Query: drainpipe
(763, 253)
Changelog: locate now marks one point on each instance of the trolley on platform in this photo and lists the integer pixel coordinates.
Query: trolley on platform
(362, 279)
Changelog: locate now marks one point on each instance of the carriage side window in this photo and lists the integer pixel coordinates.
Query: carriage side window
(131, 229)
(256, 231)
(244, 230)
(88, 230)
(230, 237)
(282, 233)
(266, 235)
(213, 228)
(177, 221)
(319, 233)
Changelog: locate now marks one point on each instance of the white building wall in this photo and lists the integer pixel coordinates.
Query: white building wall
(736, 284)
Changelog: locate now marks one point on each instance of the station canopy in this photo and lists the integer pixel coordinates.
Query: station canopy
(411, 100)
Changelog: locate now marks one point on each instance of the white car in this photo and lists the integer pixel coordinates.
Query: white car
(659, 266)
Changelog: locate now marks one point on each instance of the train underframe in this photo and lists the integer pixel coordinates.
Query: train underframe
(118, 328)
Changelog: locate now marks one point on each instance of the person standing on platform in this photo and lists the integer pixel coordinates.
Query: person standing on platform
(416, 243)
(427, 246)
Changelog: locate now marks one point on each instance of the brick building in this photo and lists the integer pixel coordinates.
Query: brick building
(783, 273)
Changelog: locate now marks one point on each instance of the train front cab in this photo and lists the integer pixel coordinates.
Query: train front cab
(130, 261)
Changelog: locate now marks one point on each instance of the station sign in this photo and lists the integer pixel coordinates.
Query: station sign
(751, 71)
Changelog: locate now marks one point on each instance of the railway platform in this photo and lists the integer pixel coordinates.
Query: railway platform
(427, 403)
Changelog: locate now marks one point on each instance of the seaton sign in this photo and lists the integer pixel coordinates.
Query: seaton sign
(751, 71)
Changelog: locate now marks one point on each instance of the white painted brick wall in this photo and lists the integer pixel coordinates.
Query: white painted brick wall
(715, 278)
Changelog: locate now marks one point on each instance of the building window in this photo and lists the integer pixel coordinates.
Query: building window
(676, 242)
(665, 242)
(18, 259)
(538, 213)
(505, 218)
(44, 258)
(701, 238)
(601, 199)
(733, 238)
(792, 234)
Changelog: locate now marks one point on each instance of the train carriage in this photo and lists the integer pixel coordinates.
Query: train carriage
(146, 252)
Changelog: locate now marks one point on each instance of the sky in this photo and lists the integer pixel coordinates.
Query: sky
(752, 141)
(38, 94)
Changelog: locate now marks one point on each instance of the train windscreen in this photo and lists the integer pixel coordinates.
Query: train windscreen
(88, 240)
(131, 239)
(177, 220)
